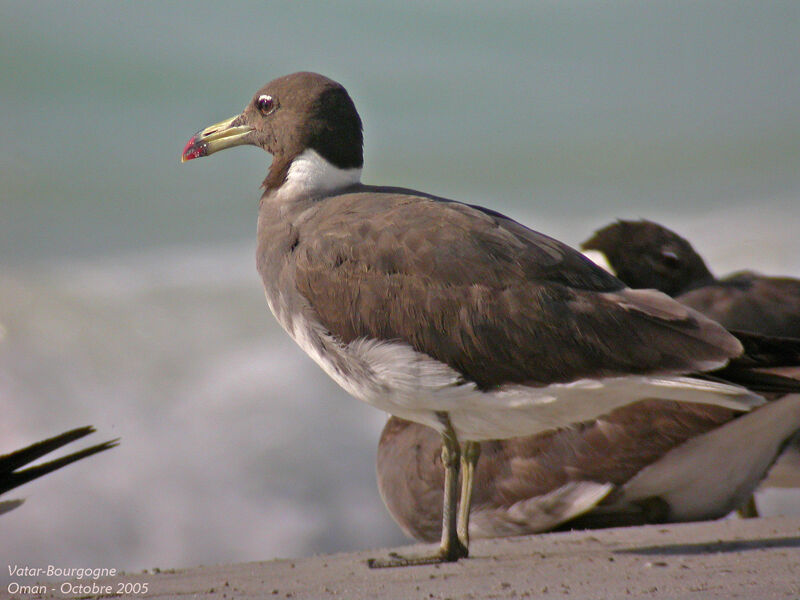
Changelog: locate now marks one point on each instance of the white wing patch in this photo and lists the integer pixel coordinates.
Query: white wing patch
(393, 377)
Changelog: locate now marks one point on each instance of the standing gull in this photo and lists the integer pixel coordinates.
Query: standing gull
(449, 315)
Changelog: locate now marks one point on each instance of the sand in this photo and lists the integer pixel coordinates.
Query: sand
(732, 558)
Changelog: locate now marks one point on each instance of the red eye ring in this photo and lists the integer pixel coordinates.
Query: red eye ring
(265, 103)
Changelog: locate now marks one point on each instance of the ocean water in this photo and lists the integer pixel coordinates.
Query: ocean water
(128, 293)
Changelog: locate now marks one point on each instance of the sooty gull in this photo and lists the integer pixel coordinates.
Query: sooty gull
(12, 475)
(644, 254)
(450, 315)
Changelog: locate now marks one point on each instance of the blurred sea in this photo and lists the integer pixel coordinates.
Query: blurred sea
(128, 293)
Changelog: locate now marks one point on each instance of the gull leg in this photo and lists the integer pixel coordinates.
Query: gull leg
(469, 460)
(451, 548)
(749, 509)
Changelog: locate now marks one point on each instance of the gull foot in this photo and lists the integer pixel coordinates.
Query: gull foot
(398, 560)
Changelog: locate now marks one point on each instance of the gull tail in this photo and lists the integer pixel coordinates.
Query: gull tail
(12, 474)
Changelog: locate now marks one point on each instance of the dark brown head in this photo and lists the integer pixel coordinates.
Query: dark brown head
(644, 254)
(287, 117)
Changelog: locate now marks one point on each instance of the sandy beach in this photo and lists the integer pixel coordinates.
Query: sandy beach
(732, 558)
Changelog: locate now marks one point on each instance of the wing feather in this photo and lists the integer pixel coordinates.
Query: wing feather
(491, 298)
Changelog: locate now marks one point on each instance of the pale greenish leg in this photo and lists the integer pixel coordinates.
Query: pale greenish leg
(748, 510)
(451, 548)
(469, 461)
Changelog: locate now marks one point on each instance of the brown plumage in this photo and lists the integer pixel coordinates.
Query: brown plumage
(644, 254)
(494, 300)
(616, 447)
(612, 449)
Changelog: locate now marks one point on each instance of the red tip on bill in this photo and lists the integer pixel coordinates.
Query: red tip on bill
(193, 149)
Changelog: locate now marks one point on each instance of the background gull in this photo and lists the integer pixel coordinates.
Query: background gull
(649, 462)
(645, 254)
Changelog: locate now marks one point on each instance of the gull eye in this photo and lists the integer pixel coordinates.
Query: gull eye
(265, 104)
(670, 259)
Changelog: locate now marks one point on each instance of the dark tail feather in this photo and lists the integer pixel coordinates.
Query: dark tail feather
(760, 382)
(761, 353)
(766, 351)
(11, 477)
(7, 505)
